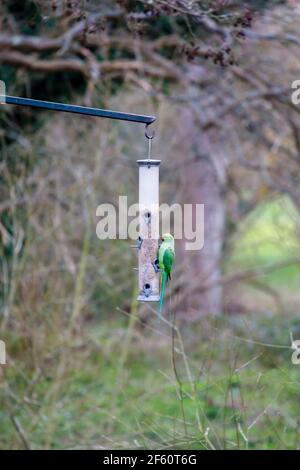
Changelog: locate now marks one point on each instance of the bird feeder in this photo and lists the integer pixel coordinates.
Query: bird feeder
(148, 189)
(148, 230)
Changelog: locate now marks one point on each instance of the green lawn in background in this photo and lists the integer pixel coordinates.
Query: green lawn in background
(270, 235)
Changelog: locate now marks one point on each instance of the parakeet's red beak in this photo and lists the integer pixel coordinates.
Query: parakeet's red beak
(162, 239)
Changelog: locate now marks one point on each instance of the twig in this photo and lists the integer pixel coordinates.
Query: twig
(20, 432)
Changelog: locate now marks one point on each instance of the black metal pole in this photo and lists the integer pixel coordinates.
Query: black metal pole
(71, 108)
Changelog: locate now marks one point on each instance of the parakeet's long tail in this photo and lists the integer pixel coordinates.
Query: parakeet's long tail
(163, 285)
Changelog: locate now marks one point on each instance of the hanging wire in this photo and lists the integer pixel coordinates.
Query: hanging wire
(149, 137)
(149, 148)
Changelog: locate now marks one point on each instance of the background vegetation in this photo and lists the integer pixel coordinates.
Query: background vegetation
(89, 367)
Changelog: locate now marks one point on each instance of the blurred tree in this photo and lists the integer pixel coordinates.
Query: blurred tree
(194, 53)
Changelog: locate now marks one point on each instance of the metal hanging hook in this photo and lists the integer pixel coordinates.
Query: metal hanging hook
(147, 135)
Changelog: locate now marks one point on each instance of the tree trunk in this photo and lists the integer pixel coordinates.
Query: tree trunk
(202, 177)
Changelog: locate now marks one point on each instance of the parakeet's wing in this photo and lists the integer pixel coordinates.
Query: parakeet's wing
(168, 259)
(161, 252)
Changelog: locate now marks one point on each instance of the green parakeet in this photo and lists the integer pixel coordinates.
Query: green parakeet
(166, 255)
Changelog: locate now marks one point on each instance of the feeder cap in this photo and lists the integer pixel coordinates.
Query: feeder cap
(148, 162)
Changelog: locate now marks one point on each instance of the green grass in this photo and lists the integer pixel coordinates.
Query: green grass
(235, 393)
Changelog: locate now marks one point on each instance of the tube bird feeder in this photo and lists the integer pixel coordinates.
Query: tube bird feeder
(148, 230)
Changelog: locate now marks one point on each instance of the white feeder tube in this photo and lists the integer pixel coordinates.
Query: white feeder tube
(148, 229)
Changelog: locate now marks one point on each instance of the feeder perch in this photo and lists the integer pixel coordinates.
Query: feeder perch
(149, 230)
